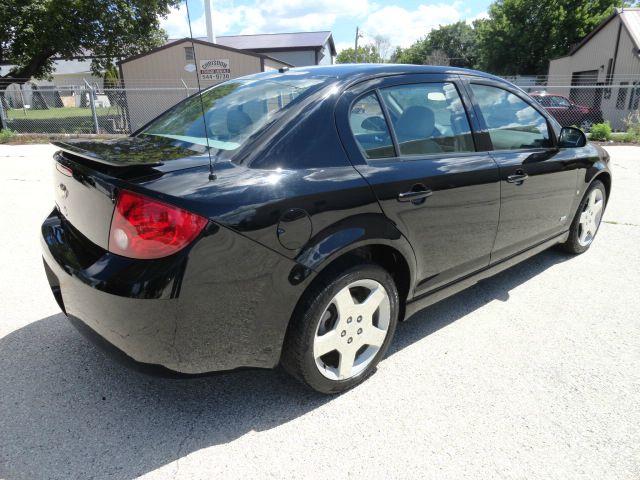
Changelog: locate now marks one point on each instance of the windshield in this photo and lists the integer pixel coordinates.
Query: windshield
(234, 111)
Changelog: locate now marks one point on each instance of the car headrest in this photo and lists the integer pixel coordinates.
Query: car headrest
(415, 123)
(237, 121)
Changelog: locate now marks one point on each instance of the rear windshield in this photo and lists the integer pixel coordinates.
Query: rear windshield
(233, 111)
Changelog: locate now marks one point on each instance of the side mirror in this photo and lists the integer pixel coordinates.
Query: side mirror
(571, 137)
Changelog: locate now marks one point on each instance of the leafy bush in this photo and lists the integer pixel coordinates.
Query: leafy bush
(6, 135)
(601, 132)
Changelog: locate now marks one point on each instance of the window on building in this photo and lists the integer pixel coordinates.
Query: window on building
(622, 95)
(512, 122)
(428, 118)
(634, 97)
(188, 54)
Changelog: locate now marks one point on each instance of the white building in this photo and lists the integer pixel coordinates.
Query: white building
(67, 80)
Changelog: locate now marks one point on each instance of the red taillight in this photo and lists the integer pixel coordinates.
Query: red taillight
(66, 171)
(145, 228)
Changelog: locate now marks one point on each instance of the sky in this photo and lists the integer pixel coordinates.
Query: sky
(402, 21)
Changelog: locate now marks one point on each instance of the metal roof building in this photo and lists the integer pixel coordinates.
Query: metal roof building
(603, 70)
(299, 49)
(152, 79)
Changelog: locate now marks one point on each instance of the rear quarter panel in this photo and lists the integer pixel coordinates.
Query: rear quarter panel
(246, 272)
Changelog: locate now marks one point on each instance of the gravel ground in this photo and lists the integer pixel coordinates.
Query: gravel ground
(534, 373)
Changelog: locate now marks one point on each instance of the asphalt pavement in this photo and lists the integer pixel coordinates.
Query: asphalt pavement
(534, 373)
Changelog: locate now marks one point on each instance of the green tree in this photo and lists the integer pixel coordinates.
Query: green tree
(415, 54)
(112, 86)
(110, 78)
(396, 54)
(456, 42)
(34, 32)
(521, 36)
(366, 54)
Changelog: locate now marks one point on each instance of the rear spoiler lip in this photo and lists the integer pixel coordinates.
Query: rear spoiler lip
(86, 154)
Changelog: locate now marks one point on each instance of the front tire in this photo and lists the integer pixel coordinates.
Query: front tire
(342, 328)
(587, 220)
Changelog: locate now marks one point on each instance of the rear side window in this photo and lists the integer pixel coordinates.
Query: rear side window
(233, 111)
(513, 123)
(428, 118)
(370, 128)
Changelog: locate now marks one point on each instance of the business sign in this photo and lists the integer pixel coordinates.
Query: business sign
(217, 69)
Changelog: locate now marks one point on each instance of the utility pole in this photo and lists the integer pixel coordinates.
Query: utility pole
(211, 33)
(357, 37)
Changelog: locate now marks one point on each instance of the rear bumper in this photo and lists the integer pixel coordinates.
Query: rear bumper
(188, 312)
(143, 328)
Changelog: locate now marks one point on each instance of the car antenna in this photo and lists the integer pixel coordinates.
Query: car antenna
(212, 176)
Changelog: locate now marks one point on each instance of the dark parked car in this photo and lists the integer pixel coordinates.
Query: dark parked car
(336, 201)
(567, 112)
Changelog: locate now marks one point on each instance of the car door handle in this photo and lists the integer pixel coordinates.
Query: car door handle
(419, 192)
(518, 178)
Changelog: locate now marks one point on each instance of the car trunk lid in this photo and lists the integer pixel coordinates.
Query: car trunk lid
(88, 174)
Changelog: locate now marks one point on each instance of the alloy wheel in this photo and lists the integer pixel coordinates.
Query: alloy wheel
(352, 329)
(590, 217)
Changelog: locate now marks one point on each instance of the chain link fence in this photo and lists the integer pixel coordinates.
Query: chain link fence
(87, 109)
(582, 101)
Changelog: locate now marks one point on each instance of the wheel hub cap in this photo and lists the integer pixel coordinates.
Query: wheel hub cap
(352, 329)
(590, 217)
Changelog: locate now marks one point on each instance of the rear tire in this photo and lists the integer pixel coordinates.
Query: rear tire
(342, 328)
(587, 220)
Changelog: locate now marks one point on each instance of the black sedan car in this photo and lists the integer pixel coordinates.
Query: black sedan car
(294, 217)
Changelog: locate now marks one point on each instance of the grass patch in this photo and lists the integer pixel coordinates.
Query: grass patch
(623, 137)
(67, 120)
(55, 113)
(38, 138)
(619, 138)
(6, 136)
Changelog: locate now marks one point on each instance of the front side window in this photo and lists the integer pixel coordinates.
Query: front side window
(370, 128)
(428, 118)
(233, 111)
(512, 123)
